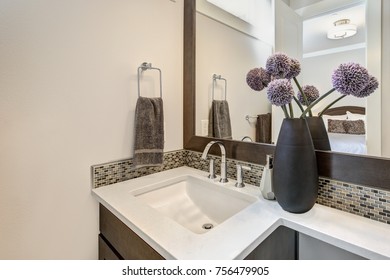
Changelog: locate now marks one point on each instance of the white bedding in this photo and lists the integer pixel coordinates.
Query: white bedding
(348, 143)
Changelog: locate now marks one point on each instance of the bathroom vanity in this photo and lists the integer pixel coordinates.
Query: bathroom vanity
(136, 224)
(118, 242)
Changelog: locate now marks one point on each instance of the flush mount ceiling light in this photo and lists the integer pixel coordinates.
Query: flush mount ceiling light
(342, 29)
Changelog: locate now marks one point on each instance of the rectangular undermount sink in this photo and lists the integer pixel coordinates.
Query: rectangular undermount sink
(196, 204)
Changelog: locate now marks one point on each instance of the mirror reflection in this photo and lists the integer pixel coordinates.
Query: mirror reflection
(230, 48)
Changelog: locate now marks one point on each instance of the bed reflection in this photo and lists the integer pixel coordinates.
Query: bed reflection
(346, 127)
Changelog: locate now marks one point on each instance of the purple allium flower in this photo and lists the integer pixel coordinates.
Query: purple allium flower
(257, 79)
(278, 65)
(372, 85)
(280, 92)
(295, 68)
(350, 78)
(311, 93)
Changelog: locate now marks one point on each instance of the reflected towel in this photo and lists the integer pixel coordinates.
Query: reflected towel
(263, 128)
(149, 132)
(219, 120)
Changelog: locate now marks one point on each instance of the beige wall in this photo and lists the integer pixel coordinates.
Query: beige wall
(67, 98)
(385, 78)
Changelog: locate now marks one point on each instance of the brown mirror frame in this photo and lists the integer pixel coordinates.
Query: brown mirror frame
(362, 170)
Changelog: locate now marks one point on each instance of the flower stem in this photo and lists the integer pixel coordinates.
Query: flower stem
(330, 105)
(303, 95)
(291, 110)
(316, 102)
(285, 111)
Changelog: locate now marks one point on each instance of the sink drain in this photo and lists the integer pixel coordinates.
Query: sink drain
(207, 226)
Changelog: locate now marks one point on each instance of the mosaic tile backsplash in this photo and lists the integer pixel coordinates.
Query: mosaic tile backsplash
(360, 200)
(122, 170)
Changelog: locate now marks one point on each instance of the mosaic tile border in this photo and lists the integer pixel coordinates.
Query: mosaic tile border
(360, 200)
(122, 170)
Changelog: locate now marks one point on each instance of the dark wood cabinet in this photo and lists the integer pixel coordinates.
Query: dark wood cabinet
(106, 251)
(117, 241)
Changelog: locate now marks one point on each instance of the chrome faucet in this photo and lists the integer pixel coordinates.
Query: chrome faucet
(247, 137)
(223, 161)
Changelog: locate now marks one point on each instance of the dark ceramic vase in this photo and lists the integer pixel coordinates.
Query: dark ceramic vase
(295, 174)
(318, 133)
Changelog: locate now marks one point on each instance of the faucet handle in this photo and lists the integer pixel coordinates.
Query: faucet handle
(240, 175)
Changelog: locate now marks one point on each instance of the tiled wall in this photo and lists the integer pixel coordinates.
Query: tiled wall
(122, 170)
(360, 200)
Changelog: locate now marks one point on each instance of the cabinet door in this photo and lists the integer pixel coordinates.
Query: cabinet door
(311, 248)
(280, 245)
(125, 241)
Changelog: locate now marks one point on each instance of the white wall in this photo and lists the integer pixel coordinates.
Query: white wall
(225, 51)
(318, 71)
(67, 98)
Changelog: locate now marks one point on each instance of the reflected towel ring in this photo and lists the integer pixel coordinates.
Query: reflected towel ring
(219, 77)
(248, 117)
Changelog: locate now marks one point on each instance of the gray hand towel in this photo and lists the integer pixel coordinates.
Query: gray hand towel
(149, 132)
(219, 120)
(263, 128)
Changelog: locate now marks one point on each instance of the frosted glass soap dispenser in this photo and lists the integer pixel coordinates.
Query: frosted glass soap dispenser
(266, 180)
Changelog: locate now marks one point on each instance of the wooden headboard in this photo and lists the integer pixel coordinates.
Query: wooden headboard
(343, 110)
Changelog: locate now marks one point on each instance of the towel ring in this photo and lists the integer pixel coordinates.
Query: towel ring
(219, 77)
(146, 66)
(248, 117)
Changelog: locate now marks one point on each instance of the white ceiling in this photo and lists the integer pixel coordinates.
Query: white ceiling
(319, 16)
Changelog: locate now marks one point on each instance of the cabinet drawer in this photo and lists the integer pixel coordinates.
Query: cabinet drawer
(106, 251)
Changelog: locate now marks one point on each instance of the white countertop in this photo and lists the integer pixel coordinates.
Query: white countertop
(243, 232)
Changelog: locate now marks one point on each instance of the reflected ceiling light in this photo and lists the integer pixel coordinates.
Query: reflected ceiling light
(342, 29)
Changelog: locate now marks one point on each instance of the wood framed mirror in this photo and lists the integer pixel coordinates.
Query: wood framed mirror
(362, 170)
